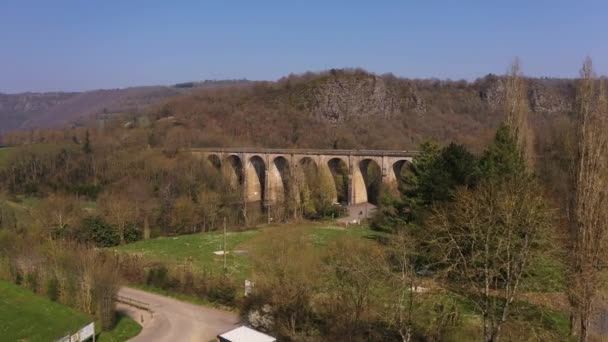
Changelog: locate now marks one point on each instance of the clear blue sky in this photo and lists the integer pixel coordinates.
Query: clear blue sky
(77, 45)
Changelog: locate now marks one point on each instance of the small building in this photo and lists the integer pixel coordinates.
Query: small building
(245, 334)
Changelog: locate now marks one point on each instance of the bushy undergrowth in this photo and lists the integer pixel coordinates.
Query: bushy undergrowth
(206, 285)
(65, 272)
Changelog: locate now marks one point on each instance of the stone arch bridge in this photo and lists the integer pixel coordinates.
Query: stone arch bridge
(266, 175)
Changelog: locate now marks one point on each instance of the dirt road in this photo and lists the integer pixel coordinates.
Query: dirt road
(600, 323)
(174, 320)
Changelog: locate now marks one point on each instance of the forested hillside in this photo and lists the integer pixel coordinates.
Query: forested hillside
(334, 109)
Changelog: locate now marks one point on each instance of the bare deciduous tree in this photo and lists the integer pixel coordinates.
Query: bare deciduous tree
(486, 241)
(119, 211)
(56, 214)
(517, 110)
(589, 218)
(405, 285)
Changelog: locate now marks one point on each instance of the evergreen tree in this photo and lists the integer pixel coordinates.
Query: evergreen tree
(436, 174)
(503, 158)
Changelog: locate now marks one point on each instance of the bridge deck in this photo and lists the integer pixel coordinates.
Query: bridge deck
(390, 153)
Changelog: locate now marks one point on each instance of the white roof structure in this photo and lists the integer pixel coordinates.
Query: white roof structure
(245, 334)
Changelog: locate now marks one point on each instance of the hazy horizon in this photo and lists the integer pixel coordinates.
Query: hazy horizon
(74, 46)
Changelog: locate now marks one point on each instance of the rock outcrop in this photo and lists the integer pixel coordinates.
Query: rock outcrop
(547, 96)
(335, 98)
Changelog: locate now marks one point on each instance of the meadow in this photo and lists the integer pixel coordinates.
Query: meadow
(26, 316)
(197, 250)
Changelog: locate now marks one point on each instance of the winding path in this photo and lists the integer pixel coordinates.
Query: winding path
(174, 320)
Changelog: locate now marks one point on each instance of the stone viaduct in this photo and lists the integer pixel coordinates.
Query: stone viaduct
(266, 174)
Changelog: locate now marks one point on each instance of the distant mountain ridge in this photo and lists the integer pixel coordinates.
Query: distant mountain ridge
(53, 109)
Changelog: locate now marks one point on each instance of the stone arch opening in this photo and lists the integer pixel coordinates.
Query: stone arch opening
(402, 170)
(372, 177)
(256, 179)
(215, 160)
(279, 183)
(232, 170)
(306, 175)
(282, 195)
(339, 172)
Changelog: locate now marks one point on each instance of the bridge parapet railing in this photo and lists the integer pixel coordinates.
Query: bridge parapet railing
(388, 153)
(133, 302)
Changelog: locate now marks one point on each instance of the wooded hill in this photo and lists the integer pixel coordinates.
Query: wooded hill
(334, 109)
(56, 109)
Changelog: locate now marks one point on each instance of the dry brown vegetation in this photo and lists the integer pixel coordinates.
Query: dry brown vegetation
(589, 218)
(66, 272)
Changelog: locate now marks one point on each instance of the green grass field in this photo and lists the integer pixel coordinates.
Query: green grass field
(26, 316)
(197, 249)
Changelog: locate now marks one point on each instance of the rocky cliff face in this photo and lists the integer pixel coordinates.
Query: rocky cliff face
(552, 97)
(336, 98)
(340, 97)
(548, 96)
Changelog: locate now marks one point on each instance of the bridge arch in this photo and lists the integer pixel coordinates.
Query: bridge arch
(255, 173)
(340, 176)
(278, 180)
(305, 175)
(399, 169)
(371, 173)
(215, 160)
(232, 170)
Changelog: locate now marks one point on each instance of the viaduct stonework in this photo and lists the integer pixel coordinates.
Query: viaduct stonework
(266, 175)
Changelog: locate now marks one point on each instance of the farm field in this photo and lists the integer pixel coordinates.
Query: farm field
(26, 316)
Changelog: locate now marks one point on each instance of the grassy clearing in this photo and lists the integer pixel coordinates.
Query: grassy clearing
(26, 316)
(125, 329)
(527, 321)
(547, 274)
(197, 249)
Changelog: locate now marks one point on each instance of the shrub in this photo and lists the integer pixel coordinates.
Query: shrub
(97, 231)
(158, 276)
(132, 233)
(222, 290)
(31, 280)
(104, 289)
